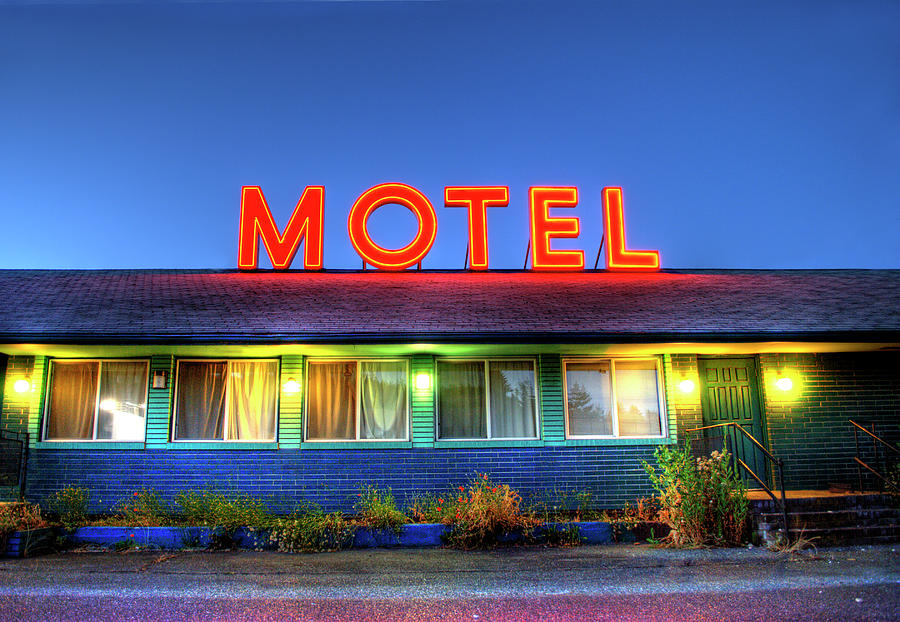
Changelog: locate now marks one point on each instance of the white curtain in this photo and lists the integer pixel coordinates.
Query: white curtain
(589, 398)
(512, 399)
(383, 400)
(123, 409)
(73, 394)
(331, 411)
(637, 398)
(251, 401)
(200, 405)
(461, 399)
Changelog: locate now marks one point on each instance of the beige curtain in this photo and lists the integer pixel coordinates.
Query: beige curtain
(331, 411)
(512, 399)
(461, 399)
(73, 399)
(383, 400)
(251, 403)
(123, 408)
(201, 400)
(637, 398)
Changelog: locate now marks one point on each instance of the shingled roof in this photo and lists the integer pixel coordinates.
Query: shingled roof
(226, 306)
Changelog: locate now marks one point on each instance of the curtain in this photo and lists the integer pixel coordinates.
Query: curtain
(123, 408)
(251, 402)
(589, 399)
(512, 399)
(637, 398)
(331, 405)
(383, 399)
(461, 399)
(200, 405)
(73, 395)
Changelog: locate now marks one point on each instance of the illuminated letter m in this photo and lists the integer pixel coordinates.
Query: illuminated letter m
(307, 222)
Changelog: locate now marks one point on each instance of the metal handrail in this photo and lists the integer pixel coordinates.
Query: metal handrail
(860, 464)
(777, 461)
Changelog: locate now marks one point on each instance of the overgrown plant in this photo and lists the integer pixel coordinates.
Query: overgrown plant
(377, 508)
(18, 517)
(70, 505)
(309, 528)
(431, 508)
(215, 509)
(484, 512)
(144, 509)
(702, 499)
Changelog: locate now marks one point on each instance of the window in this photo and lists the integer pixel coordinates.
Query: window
(613, 397)
(357, 400)
(485, 399)
(225, 400)
(97, 400)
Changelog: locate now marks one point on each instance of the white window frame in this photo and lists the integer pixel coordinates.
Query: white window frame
(357, 361)
(487, 398)
(660, 396)
(45, 428)
(228, 362)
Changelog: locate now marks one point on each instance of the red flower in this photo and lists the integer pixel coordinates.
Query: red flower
(461, 488)
(135, 494)
(441, 501)
(131, 535)
(439, 509)
(460, 499)
(494, 489)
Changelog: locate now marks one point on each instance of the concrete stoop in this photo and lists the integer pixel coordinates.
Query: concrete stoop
(834, 520)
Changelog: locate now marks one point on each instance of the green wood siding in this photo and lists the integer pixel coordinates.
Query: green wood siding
(159, 403)
(553, 414)
(39, 387)
(290, 405)
(423, 420)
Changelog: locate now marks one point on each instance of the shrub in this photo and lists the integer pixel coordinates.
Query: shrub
(144, 509)
(215, 509)
(431, 508)
(310, 529)
(484, 511)
(70, 506)
(377, 508)
(703, 500)
(562, 504)
(18, 517)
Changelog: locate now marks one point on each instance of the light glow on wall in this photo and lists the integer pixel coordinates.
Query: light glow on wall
(291, 386)
(423, 381)
(784, 384)
(686, 386)
(21, 386)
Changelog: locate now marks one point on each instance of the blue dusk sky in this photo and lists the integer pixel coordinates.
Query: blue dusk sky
(744, 134)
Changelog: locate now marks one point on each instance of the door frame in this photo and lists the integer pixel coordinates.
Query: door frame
(760, 400)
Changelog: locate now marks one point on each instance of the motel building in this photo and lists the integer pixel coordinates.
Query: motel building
(303, 383)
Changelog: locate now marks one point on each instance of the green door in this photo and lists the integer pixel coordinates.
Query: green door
(730, 394)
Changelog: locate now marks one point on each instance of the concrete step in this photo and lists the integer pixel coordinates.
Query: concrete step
(835, 518)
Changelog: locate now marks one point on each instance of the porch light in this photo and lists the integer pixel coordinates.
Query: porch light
(686, 386)
(784, 384)
(109, 405)
(291, 386)
(22, 386)
(423, 381)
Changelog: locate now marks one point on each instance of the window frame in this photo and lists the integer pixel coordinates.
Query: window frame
(357, 360)
(660, 397)
(45, 427)
(228, 362)
(487, 400)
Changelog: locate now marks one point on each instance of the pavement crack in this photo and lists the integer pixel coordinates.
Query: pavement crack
(159, 560)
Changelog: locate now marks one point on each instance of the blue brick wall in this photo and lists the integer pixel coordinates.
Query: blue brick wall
(332, 478)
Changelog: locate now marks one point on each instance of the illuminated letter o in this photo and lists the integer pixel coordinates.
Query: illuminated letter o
(385, 258)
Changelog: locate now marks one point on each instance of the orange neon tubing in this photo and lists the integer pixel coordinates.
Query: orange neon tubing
(477, 199)
(306, 222)
(545, 227)
(617, 257)
(384, 258)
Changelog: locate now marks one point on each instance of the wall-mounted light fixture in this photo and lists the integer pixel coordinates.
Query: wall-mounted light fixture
(686, 386)
(160, 379)
(291, 386)
(22, 385)
(423, 381)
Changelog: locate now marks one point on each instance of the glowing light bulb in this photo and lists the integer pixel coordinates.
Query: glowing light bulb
(423, 382)
(784, 384)
(291, 386)
(21, 386)
(109, 405)
(686, 386)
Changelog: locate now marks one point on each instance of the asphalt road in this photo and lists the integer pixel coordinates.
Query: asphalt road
(587, 583)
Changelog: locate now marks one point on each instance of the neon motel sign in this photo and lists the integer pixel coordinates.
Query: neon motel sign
(307, 225)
